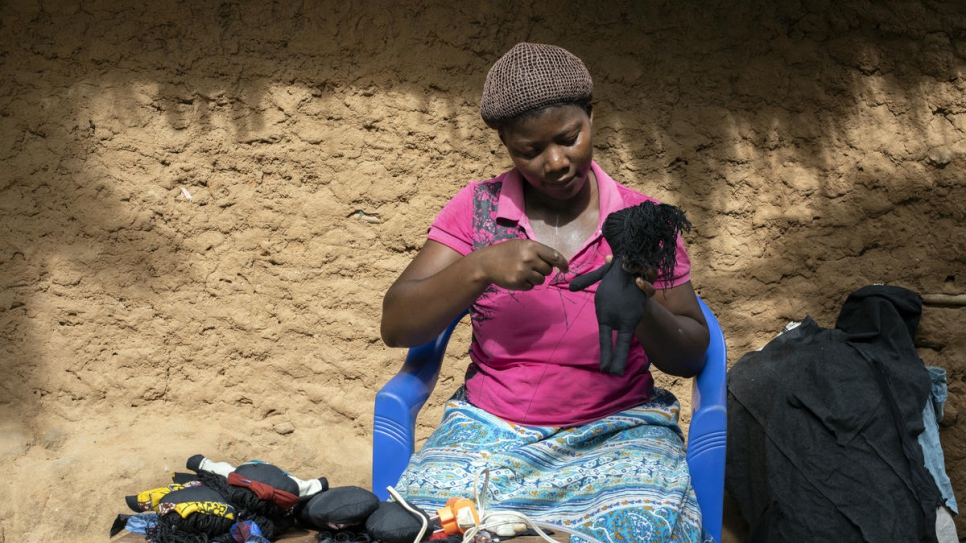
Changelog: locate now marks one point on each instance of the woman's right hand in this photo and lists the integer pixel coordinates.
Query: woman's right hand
(520, 264)
(440, 283)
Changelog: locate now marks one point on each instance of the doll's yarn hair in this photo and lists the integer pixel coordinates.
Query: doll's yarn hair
(272, 519)
(644, 236)
(196, 528)
(194, 514)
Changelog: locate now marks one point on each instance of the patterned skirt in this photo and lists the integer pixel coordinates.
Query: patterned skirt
(621, 478)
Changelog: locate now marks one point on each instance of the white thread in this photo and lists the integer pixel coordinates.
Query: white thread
(501, 515)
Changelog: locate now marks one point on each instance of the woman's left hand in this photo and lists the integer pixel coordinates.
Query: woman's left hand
(645, 283)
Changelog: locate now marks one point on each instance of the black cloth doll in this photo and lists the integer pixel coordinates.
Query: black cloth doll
(259, 492)
(642, 239)
(187, 513)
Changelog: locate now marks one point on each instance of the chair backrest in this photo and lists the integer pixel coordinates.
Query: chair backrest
(707, 433)
(399, 401)
(397, 406)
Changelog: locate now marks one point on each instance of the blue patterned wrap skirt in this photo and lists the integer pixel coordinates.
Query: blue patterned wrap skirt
(621, 478)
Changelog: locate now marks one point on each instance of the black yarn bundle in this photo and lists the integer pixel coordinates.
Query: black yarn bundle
(197, 528)
(644, 236)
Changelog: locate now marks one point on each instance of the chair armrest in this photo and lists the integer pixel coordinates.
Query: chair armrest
(707, 434)
(397, 406)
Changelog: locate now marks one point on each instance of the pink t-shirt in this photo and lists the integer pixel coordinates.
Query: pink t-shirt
(536, 354)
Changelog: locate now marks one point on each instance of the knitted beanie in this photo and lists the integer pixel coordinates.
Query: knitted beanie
(531, 76)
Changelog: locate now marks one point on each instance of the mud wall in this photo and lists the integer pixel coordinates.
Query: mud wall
(816, 146)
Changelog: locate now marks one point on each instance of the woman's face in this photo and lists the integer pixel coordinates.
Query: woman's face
(552, 149)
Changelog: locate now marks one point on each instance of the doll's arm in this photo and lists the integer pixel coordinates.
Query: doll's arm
(583, 281)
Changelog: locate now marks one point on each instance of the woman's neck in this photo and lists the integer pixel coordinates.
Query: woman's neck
(560, 212)
(564, 224)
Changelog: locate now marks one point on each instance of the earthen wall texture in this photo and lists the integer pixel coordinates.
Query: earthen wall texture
(202, 205)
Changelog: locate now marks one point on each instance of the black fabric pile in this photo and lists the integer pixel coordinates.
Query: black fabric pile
(823, 427)
(204, 507)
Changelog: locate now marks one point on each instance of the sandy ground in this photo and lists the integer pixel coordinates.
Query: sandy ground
(816, 146)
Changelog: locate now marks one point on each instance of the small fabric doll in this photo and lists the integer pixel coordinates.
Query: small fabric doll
(306, 488)
(642, 239)
(260, 492)
(186, 513)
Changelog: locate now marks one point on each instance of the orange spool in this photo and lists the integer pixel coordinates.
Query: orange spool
(458, 516)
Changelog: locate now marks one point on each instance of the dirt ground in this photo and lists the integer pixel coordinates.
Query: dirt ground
(202, 204)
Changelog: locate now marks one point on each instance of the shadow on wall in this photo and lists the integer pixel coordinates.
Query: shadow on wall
(824, 139)
(794, 134)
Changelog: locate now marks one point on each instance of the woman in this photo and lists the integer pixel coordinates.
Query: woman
(592, 453)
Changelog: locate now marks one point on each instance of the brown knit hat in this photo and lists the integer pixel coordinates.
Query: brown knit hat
(531, 76)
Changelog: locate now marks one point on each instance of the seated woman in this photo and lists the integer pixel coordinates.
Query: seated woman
(591, 453)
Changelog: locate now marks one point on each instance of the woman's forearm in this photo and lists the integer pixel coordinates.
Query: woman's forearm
(436, 288)
(440, 283)
(674, 343)
(416, 311)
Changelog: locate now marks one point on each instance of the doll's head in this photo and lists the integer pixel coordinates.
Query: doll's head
(644, 237)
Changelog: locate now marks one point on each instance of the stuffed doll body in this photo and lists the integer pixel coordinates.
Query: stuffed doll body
(619, 304)
(643, 240)
(259, 492)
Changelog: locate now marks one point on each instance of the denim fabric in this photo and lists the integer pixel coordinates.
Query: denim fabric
(246, 531)
(139, 524)
(929, 439)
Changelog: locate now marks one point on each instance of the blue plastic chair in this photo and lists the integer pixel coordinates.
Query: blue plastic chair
(399, 401)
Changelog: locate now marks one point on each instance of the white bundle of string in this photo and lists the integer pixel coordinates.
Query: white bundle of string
(492, 521)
